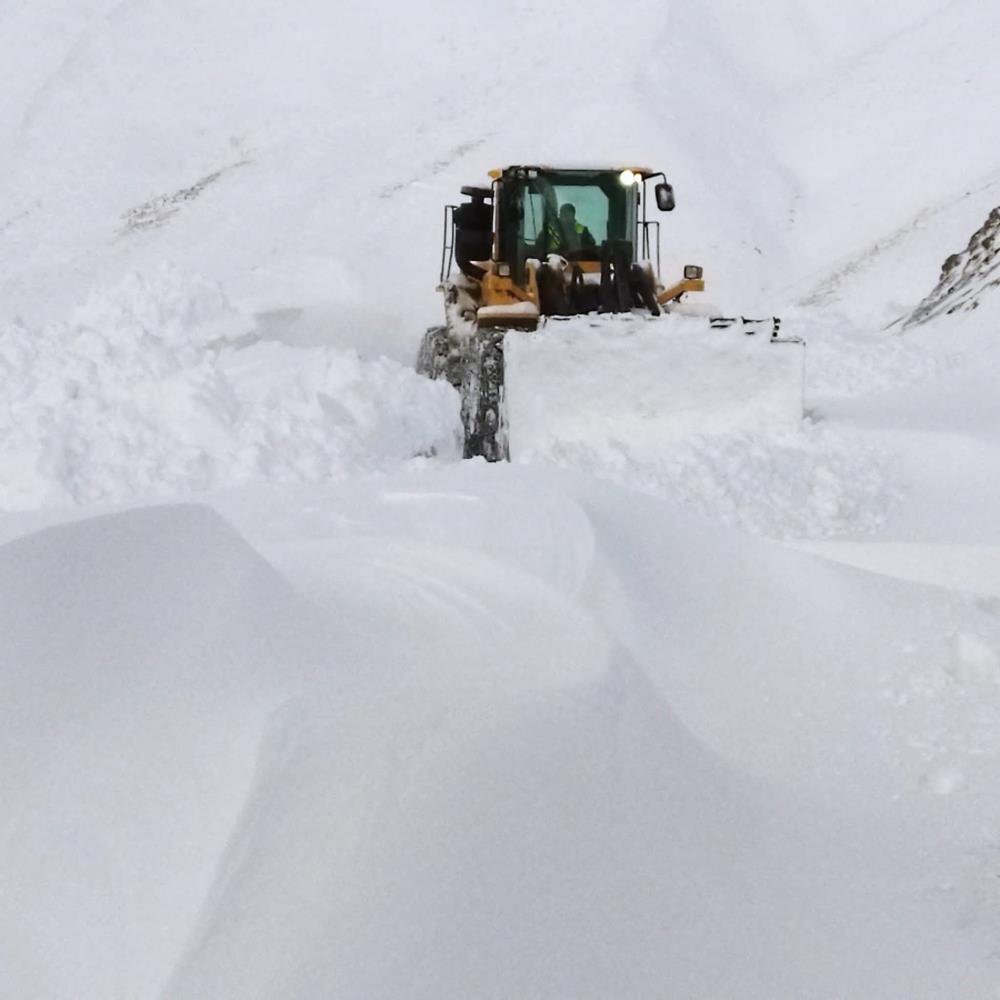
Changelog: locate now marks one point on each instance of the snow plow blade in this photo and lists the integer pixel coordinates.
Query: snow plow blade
(638, 385)
(629, 382)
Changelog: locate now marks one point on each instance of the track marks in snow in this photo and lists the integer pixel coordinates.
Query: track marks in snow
(158, 211)
(436, 168)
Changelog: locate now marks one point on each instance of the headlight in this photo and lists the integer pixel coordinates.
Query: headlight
(627, 178)
(693, 271)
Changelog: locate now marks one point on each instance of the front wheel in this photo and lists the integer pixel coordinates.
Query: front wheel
(482, 398)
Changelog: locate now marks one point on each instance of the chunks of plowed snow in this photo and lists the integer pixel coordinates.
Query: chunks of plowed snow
(159, 388)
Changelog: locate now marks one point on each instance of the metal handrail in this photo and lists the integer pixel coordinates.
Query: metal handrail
(448, 241)
(646, 226)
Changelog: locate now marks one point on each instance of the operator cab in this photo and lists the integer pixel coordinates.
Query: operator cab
(566, 212)
(548, 241)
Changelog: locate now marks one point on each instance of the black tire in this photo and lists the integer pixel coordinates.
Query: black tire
(439, 357)
(552, 297)
(645, 290)
(482, 398)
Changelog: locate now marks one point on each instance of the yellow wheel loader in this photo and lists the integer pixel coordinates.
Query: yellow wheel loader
(549, 244)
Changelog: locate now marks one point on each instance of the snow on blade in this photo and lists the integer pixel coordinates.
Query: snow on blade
(644, 384)
(709, 418)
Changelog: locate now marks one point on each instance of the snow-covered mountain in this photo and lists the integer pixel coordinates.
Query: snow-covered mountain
(706, 719)
(301, 157)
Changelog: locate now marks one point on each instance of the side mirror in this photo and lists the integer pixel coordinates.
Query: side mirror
(665, 200)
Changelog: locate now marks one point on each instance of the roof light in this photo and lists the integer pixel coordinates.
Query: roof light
(628, 178)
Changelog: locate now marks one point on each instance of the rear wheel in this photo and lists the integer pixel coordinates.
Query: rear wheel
(440, 357)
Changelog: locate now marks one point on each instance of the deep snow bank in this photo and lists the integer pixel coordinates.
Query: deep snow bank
(158, 388)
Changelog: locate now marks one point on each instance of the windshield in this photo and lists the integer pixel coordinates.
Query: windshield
(572, 213)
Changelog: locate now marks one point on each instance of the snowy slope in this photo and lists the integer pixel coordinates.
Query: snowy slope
(899, 163)
(273, 152)
(366, 721)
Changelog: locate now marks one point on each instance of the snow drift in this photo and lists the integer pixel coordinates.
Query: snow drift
(142, 655)
(484, 796)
